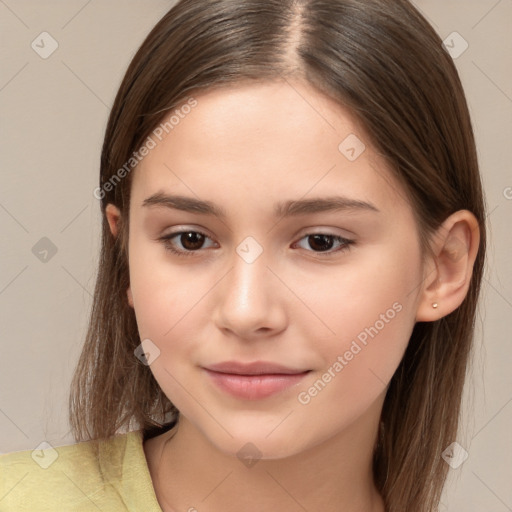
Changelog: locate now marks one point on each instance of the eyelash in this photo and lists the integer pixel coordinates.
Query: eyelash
(166, 241)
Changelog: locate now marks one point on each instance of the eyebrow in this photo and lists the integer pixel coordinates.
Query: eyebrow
(282, 209)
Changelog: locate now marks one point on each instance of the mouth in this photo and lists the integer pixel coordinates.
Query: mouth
(253, 381)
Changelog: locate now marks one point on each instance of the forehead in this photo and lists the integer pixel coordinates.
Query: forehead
(263, 141)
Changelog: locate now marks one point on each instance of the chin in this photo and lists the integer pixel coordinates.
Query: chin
(250, 448)
(253, 439)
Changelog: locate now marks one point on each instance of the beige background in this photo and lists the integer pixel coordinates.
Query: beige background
(54, 113)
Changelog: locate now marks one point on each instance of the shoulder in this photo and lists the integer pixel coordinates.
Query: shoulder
(86, 476)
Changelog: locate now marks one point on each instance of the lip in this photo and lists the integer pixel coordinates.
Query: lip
(255, 380)
(253, 368)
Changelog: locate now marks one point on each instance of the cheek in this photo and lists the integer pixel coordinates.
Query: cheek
(353, 297)
(370, 311)
(163, 293)
(166, 312)
(359, 361)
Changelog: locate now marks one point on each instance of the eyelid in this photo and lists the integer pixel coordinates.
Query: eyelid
(322, 230)
(326, 230)
(178, 228)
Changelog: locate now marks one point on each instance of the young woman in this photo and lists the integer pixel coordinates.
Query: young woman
(293, 244)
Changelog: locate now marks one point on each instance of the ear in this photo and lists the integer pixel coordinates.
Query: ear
(113, 216)
(130, 296)
(449, 269)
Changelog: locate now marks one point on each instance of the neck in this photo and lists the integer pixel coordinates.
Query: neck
(191, 474)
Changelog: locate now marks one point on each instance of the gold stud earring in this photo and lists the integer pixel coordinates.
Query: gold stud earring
(434, 305)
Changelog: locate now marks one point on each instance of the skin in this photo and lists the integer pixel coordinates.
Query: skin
(245, 148)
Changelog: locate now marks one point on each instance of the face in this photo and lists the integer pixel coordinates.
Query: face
(330, 294)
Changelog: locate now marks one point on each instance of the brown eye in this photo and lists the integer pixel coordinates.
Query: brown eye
(322, 242)
(190, 242)
(187, 243)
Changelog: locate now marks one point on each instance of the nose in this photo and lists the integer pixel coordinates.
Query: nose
(250, 300)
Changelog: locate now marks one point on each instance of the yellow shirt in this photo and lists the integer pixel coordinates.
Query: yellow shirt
(76, 480)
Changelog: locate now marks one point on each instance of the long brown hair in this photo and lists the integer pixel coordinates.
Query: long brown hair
(383, 61)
